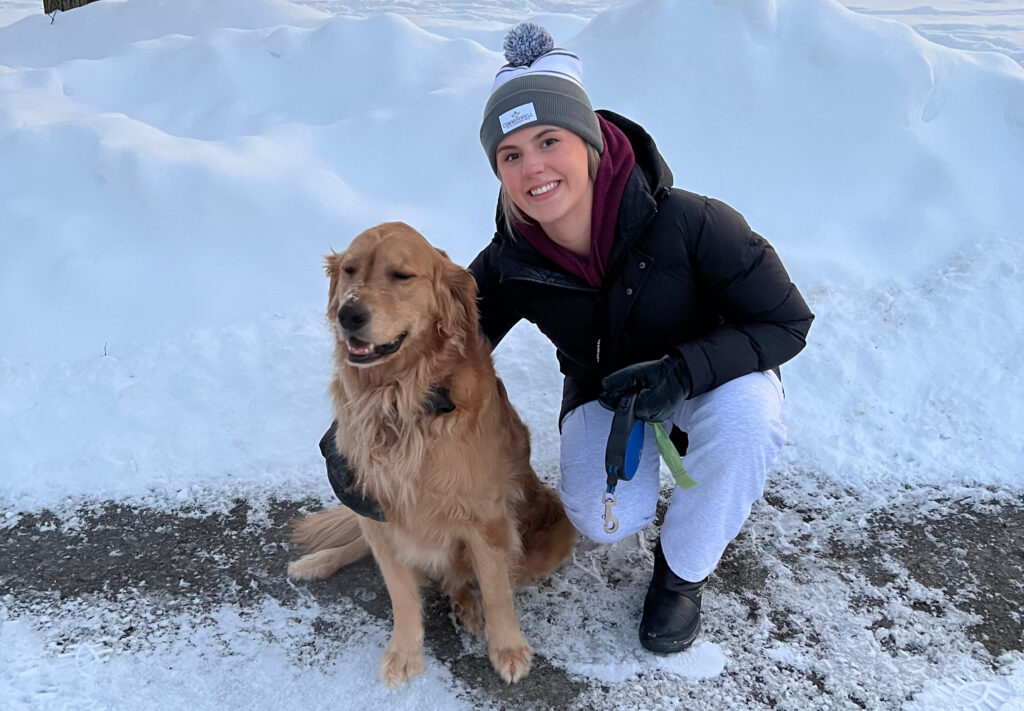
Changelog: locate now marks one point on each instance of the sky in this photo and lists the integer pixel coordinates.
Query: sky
(171, 175)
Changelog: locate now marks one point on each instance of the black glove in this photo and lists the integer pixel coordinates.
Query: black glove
(343, 479)
(660, 387)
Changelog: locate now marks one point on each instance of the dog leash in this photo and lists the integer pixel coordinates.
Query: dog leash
(622, 456)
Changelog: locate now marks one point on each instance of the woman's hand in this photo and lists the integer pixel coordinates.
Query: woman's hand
(660, 387)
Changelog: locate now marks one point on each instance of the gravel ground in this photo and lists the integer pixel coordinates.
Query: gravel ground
(930, 563)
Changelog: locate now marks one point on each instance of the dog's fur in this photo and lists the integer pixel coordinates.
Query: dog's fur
(463, 505)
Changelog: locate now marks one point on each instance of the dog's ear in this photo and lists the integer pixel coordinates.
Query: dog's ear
(332, 267)
(456, 298)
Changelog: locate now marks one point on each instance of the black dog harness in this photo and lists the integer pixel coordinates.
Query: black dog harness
(339, 471)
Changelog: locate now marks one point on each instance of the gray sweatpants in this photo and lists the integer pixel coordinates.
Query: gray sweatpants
(735, 432)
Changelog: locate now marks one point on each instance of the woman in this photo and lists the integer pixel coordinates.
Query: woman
(649, 293)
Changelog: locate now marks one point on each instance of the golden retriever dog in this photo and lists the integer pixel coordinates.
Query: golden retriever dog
(462, 504)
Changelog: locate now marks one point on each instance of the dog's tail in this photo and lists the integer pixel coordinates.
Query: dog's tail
(332, 538)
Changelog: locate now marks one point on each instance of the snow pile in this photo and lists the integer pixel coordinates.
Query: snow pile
(844, 139)
(169, 188)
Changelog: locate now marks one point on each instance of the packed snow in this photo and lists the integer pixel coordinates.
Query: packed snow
(171, 174)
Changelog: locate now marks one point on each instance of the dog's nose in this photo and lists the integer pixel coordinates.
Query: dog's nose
(353, 316)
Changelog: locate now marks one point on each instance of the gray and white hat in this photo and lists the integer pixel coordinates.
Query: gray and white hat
(539, 85)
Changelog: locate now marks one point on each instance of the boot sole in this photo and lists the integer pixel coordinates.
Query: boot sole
(666, 645)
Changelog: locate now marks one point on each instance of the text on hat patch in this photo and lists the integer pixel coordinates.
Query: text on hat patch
(513, 119)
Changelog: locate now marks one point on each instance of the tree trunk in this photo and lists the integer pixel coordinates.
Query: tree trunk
(51, 6)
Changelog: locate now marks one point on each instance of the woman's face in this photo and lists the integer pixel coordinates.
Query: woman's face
(544, 170)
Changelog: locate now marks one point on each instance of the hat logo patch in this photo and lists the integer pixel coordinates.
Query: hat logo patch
(513, 119)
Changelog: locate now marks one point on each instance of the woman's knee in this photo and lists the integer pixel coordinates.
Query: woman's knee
(584, 438)
(589, 520)
(595, 531)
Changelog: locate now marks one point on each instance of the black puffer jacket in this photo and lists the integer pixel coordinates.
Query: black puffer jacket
(686, 277)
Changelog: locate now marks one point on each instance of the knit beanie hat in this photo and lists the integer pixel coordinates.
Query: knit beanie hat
(539, 85)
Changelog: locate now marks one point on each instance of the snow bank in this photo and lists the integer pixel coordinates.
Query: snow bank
(169, 181)
(849, 141)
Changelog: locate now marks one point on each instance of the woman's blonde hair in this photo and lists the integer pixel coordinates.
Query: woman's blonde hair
(511, 212)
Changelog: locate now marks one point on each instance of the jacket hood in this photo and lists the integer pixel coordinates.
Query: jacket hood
(656, 170)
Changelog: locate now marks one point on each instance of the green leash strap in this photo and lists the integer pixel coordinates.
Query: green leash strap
(672, 458)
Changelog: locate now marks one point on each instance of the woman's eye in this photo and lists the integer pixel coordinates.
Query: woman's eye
(548, 142)
(509, 157)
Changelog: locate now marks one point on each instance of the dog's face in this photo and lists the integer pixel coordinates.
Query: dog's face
(393, 294)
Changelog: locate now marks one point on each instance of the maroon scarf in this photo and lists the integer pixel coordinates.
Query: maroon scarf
(612, 173)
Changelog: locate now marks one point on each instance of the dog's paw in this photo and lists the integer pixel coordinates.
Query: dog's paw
(305, 569)
(314, 566)
(397, 667)
(468, 616)
(512, 663)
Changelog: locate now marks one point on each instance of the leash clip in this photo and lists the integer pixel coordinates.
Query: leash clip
(611, 524)
(621, 455)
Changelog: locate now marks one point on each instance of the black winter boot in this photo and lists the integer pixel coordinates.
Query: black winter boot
(671, 618)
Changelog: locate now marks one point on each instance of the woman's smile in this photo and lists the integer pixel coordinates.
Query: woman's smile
(544, 189)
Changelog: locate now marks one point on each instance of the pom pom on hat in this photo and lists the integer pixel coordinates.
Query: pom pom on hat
(525, 42)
